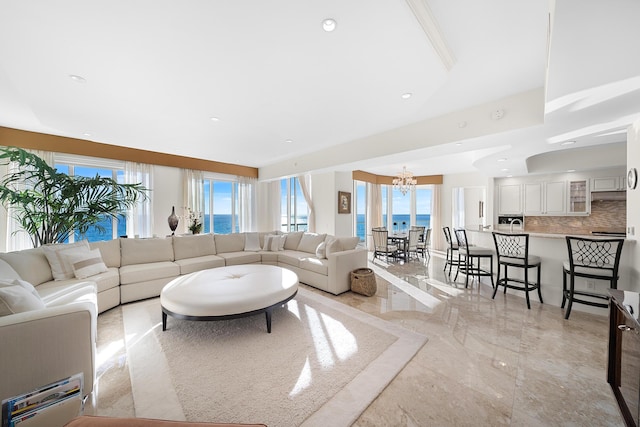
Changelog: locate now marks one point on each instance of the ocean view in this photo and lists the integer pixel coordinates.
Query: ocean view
(222, 224)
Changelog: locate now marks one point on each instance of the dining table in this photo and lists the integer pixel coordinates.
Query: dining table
(402, 240)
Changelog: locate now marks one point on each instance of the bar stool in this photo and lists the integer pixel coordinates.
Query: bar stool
(591, 259)
(513, 251)
(468, 254)
(452, 246)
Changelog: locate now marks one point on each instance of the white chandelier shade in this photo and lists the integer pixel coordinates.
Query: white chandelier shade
(404, 181)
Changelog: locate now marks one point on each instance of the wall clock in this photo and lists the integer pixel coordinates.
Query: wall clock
(632, 178)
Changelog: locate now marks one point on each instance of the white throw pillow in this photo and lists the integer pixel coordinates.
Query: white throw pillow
(19, 282)
(271, 243)
(17, 299)
(251, 242)
(85, 263)
(321, 250)
(333, 246)
(282, 243)
(310, 242)
(60, 267)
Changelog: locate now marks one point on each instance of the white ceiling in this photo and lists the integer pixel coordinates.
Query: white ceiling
(157, 71)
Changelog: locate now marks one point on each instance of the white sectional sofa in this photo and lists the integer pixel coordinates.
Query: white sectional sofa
(59, 336)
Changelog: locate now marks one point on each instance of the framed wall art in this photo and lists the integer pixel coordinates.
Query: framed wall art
(344, 202)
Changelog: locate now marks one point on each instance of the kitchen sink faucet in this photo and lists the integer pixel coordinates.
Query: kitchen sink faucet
(513, 221)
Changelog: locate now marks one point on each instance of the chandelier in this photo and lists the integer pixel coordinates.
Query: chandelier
(404, 181)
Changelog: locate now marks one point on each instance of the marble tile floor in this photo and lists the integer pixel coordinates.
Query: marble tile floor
(487, 362)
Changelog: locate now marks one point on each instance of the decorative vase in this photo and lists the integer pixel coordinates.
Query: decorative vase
(173, 220)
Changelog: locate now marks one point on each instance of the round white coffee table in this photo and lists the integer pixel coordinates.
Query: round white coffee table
(228, 292)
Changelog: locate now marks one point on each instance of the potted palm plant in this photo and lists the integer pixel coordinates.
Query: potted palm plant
(50, 205)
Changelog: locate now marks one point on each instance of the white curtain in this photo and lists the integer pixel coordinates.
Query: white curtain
(140, 216)
(193, 191)
(274, 205)
(374, 210)
(248, 214)
(437, 236)
(305, 186)
(17, 238)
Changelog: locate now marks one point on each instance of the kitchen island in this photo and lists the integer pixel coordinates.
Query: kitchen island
(552, 249)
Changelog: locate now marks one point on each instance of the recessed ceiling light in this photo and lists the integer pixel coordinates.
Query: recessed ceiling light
(288, 141)
(504, 159)
(571, 170)
(505, 170)
(462, 124)
(509, 176)
(458, 143)
(568, 143)
(77, 79)
(215, 119)
(86, 134)
(407, 95)
(329, 25)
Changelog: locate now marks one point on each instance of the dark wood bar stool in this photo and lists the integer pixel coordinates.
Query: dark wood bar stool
(513, 251)
(468, 255)
(590, 259)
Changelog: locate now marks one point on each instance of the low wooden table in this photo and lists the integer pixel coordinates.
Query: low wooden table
(225, 293)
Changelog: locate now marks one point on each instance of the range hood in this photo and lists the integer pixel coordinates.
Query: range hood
(598, 196)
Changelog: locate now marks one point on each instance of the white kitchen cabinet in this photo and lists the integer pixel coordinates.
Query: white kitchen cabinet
(545, 198)
(609, 183)
(579, 203)
(510, 198)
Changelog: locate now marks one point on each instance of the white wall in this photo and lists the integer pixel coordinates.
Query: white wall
(167, 192)
(324, 189)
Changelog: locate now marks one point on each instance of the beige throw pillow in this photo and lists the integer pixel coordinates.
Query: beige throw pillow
(60, 267)
(321, 250)
(310, 242)
(86, 263)
(17, 299)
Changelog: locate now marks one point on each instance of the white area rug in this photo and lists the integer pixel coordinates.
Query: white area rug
(323, 364)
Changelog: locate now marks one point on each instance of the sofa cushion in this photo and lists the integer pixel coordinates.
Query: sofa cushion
(310, 241)
(263, 234)
(339, 244)
(252, 242)
(150, 271)
(18, 299)
(233, 242)
(320, 266)
(19, 282)
(293, 240)
(269, 257)
(274, 242)
(30, 264)
(110, 251)
(193, 246)
(103, 281)
(189, 265)
(291, 257)
(85, 263)
(238, 258)
(60, 265)
(143, 251)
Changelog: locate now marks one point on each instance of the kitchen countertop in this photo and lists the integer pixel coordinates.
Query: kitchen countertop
(543, 235)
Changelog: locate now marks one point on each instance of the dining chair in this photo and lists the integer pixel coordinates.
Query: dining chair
(425, 244)
(513, 251)
(452, 247)
(590, 259)
(381, 244)
(414, 240)
(468, 254)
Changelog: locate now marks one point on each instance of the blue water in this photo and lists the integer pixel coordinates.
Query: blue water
(222, 224)
(400, 223)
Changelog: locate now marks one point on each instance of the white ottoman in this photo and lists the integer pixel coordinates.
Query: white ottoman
(228, 292)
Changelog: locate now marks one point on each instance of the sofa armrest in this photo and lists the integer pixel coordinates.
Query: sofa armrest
(43, 346)
(341, 264)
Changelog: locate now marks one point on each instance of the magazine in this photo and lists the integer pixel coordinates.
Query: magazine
(20, 408)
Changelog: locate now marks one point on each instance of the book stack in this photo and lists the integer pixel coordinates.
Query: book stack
(50, 405)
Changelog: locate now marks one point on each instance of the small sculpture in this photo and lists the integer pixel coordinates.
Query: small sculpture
(173, 220)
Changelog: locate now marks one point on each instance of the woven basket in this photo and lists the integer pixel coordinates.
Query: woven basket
(363, 281)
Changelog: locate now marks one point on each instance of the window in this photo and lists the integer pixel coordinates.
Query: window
(361, 209)
(423, 206)
(89, 167)
(221, 207)
(294, 209)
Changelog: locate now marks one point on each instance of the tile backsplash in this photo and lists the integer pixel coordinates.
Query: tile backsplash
(608, 215)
